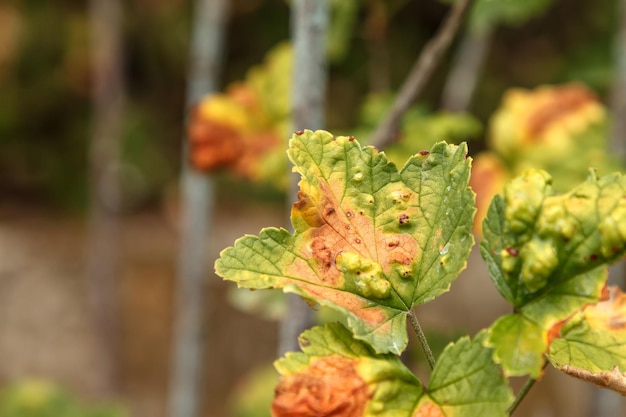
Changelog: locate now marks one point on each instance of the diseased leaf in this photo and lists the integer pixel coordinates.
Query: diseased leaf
(592, 346)
(547, 255)
(370, 241)
(336, 372)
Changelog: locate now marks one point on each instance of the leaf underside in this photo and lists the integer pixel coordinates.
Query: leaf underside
(592, 345)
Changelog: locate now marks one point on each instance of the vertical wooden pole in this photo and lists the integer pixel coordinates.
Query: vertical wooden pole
(309, 19)
(209, 20)
(105, 18)
(465, 73)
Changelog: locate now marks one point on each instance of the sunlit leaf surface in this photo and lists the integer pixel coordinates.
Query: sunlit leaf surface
(370, 241)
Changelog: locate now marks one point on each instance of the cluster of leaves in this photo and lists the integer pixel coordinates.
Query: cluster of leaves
(39, 398)
(371, 242)
(560, 129)
(244, 129)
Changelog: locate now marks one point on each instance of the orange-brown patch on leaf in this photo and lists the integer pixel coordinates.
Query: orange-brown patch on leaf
(329, 387)
(322, 252)
(399, 257)
(374, 316)
(609, 314)
(562, 102)
(429, 409)
(212, 144)
(555, 330)
(488, 177)
(256, 146)
(335, 228)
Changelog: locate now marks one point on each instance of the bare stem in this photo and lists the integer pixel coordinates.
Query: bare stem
(423, 68)
(422, 338)
(521, 394)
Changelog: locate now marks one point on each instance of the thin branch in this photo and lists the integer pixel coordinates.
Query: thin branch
(422, 339)
(429, 59)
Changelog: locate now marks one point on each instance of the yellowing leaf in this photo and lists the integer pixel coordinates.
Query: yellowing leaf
(370, 241)
(336, 375)
(592, 346)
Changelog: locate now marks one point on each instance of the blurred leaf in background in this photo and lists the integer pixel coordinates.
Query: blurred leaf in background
(562, 129)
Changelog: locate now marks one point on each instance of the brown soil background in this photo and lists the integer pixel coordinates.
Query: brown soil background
(45, 327)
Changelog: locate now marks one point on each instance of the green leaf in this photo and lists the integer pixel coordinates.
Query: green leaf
(464, 383)
(520, 340)
(547, 256)
(369, 241)
(592, 345)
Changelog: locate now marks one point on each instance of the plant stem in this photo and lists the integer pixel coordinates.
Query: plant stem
(422, 338)
(521, 394)
(423, 68)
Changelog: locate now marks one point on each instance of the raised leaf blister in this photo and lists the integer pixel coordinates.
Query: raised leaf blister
(547, 255)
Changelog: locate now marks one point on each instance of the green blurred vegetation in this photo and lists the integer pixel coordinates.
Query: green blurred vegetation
(45, 104)
(41, 398)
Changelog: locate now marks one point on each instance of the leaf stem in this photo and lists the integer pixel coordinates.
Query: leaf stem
(521, 394)
(422, 339)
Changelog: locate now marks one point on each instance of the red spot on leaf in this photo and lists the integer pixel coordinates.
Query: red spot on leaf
(351, 138)
(403, 218)
(593, 257)
(299, 132)
(424, 153)
(512, 251)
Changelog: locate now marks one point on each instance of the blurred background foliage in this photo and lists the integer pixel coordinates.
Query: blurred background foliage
(42, 398)
(46, 110)
(45, 77)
